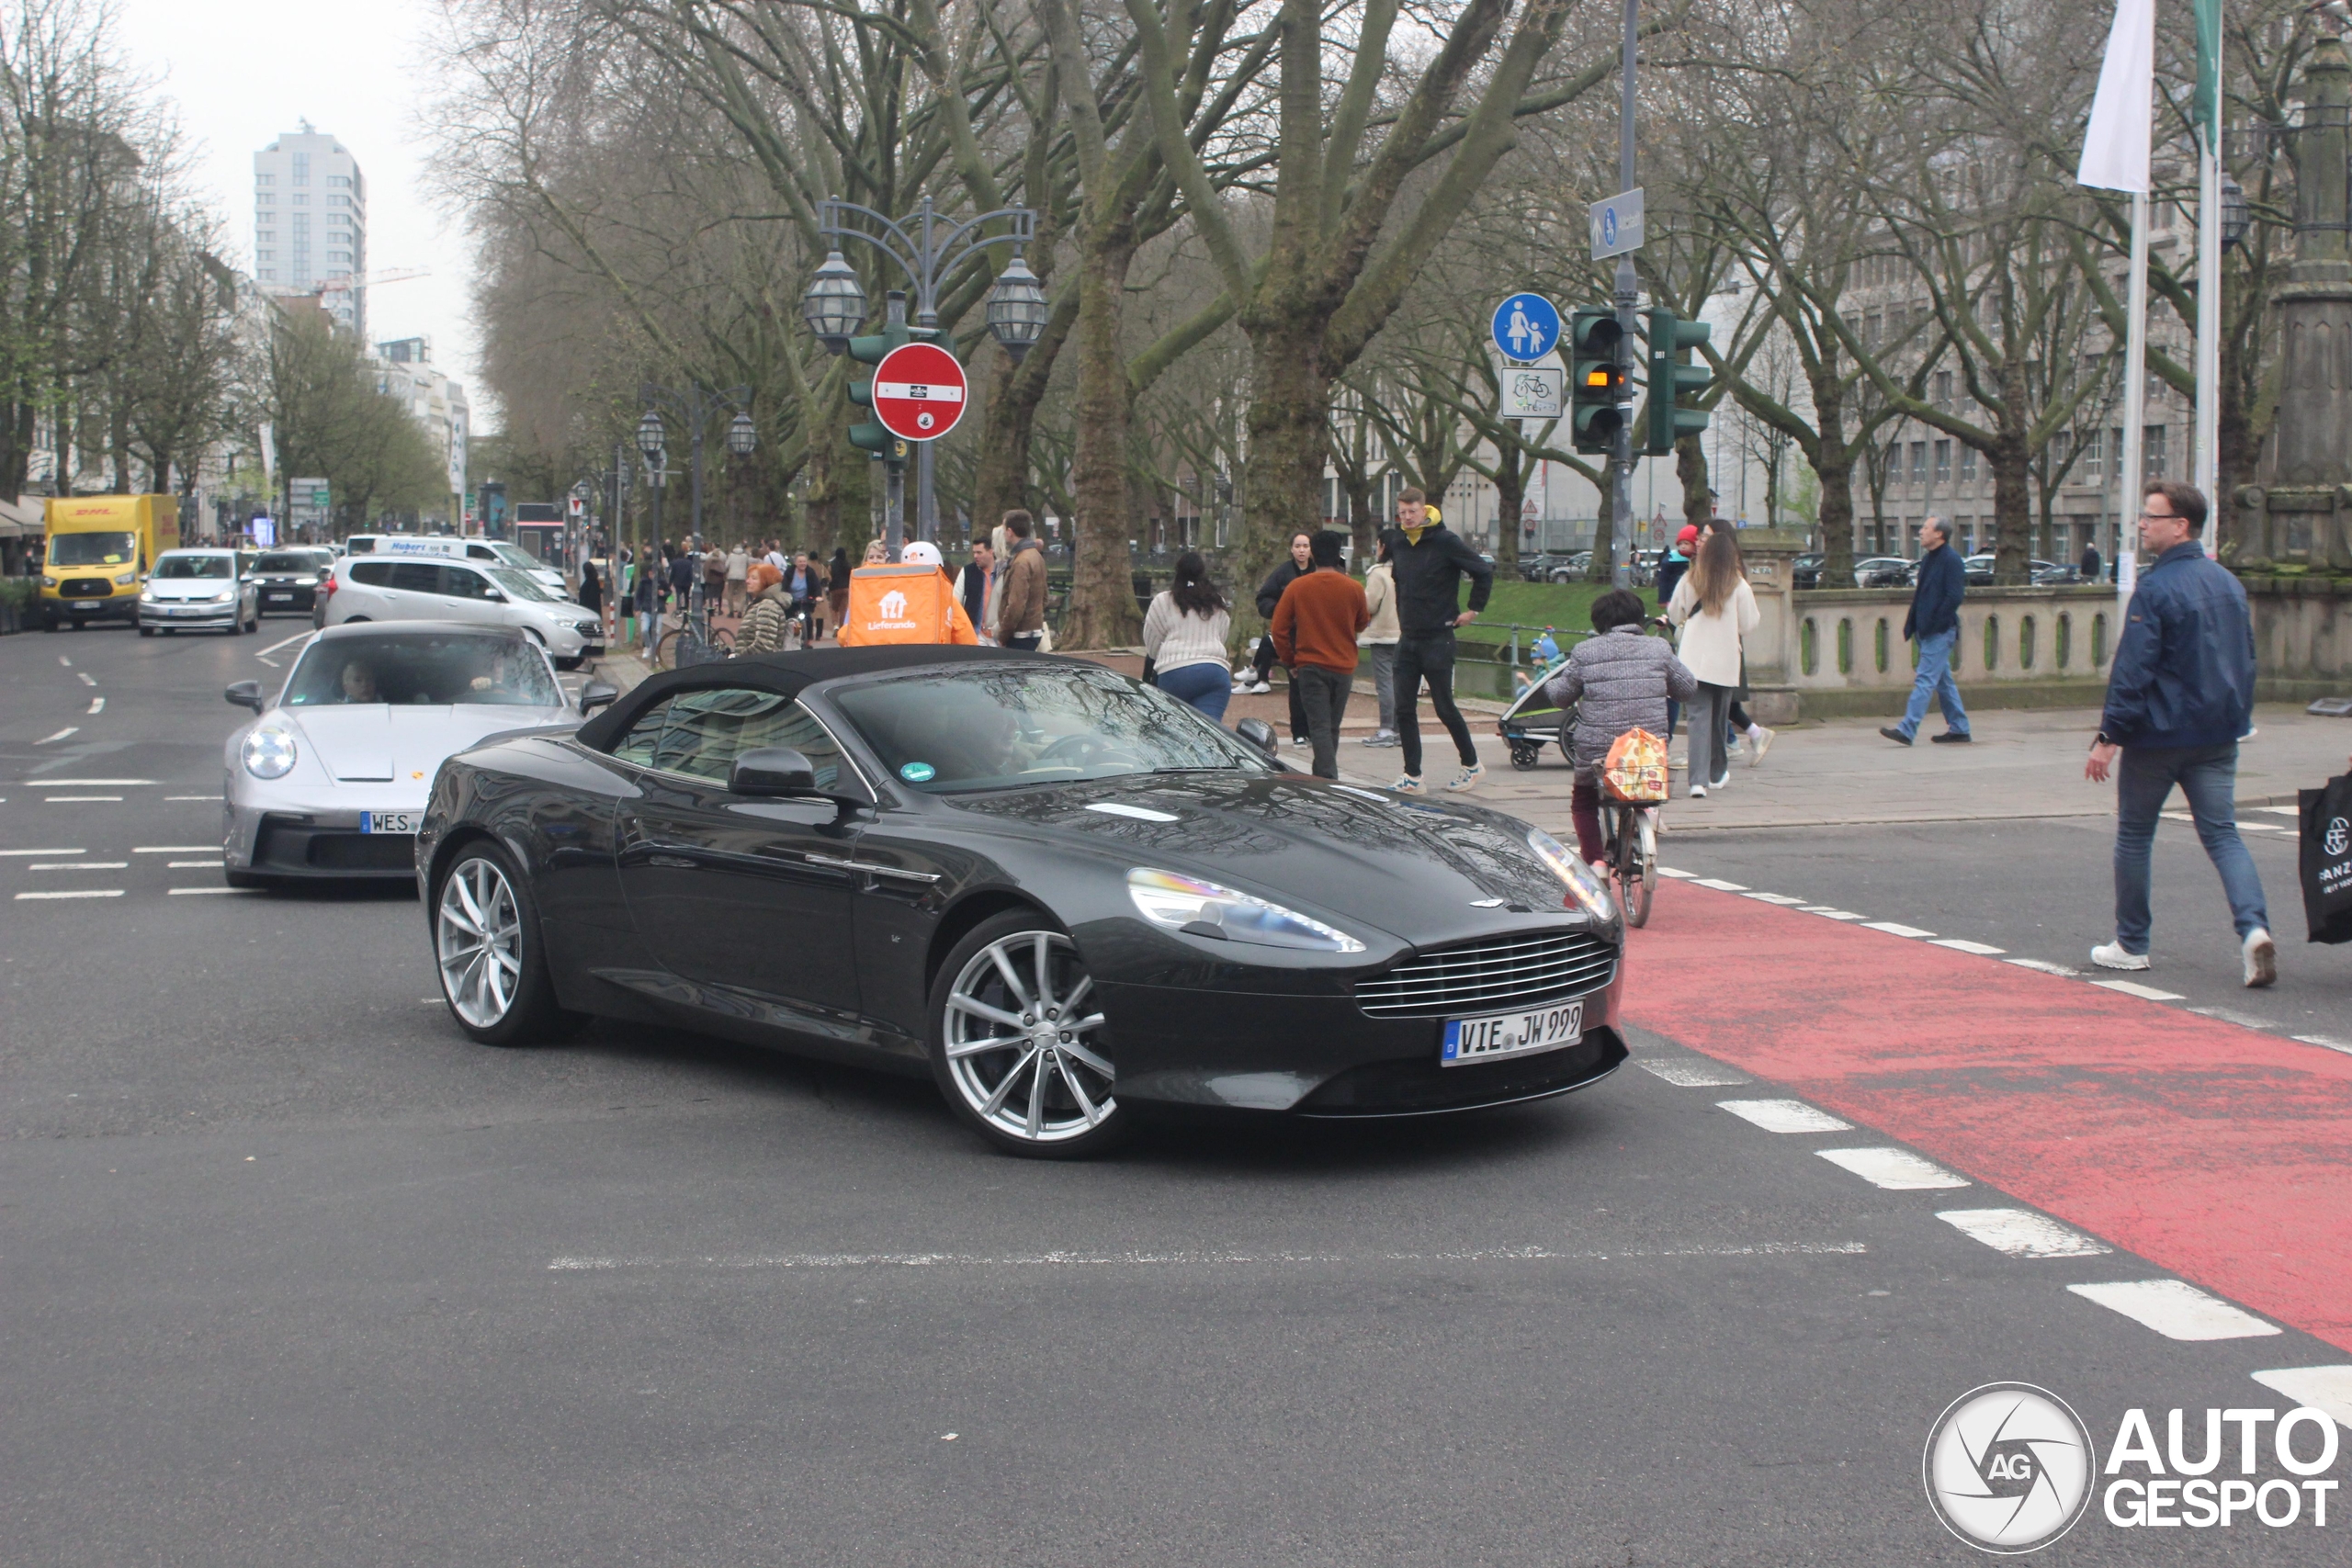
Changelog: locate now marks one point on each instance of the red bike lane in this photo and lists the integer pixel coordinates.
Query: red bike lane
(2219, 1153)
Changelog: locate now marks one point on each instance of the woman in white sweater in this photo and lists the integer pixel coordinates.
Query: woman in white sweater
(1183, 638)
(1715, 609)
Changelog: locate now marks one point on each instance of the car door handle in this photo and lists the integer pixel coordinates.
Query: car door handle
(681, 863)
(871, 869)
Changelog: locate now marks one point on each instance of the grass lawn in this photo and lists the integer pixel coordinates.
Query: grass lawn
(1534, 605)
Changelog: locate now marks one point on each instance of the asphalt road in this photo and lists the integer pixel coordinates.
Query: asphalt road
(290, 1272)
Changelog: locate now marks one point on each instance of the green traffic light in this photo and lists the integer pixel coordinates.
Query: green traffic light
(1673, 378)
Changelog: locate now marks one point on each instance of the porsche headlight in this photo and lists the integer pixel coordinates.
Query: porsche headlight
(269, 753)
(1585, 886)
(1178, 903)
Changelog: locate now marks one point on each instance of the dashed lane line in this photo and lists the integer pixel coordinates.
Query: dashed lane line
(1693, 1073)
(1678, 876)
(2133, 988)
(83, 784)
(1719, 884)
(2232, 1015)
(2328, 1041)
(191, 797)
(1896, 1170)
(1893, 928)
(1072, 1260)
(1771, 897)
(176, 892)
(2045, 967)
(2176, 1309)
(174, 849)
(68, 729)
(194, 865)
(19, 854)
(75, 893)
(2322, 1388)
(1962, 945)
(1784, 1115)
(79, 866)
(2021, 1233)
(97, 705)
(86, 678)
(76, 799)
(66, 662)
(1826, 913)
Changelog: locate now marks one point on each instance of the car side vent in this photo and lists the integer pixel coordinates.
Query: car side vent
(1489, 976)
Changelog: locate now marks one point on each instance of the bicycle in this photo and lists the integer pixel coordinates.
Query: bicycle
(694, 640)
(1629, 837)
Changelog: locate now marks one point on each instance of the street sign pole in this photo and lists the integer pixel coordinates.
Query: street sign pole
(1621, 459)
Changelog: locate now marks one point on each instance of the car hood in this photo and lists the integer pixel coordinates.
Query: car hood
(1363, 855)
(377, 743)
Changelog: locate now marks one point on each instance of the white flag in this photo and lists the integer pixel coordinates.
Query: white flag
(2114, 149)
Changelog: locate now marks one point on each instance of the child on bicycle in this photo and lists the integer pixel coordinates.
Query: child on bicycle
(1620, 680)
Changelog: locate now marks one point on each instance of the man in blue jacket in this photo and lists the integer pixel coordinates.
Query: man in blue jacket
(1934, 620)
(2178, 699)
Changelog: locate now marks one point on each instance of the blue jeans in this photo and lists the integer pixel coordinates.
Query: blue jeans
(1207, 687)
(2207, 777)
(1935, 680)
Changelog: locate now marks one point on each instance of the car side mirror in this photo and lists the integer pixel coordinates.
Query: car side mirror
(596, 695)
(244, 694)
(1260, 734)
(772, 771)
(495, 597)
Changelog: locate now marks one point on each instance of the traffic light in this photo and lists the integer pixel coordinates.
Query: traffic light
(869, 436)
(1597, 382)
(1673, 378)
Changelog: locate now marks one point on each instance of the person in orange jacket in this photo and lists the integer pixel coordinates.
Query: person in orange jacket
(955, 627)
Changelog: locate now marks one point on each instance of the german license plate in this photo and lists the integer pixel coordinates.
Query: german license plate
(89, 604)
(388, 821)
(279, 598)
(1519, 1033)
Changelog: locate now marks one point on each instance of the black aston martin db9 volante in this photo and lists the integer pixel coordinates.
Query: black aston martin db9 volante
(1069, 898)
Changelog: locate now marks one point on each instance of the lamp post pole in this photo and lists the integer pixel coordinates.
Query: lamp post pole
(928, 248)
(694, 405)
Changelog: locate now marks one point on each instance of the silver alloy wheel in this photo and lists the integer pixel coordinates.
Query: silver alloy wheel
(1021, 1045)
(478, 932)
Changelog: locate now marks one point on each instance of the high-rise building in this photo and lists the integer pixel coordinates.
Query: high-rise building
(310, 224)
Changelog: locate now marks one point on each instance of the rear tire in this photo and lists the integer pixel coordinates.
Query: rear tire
(144, 630)
(1634, 883)
(489, 953)
(1046, 1092)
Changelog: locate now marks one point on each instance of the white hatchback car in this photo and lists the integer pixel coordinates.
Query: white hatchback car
(199, 590)
(487, 552)
(419, 588)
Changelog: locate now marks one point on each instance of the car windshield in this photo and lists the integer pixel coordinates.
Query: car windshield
(1012, 726)
(105, 548)
(292, 560)
(521, 585)
(470, 668)
(514, 555)
(172, 566)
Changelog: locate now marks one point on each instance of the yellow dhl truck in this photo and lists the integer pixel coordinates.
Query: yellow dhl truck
(100, 549)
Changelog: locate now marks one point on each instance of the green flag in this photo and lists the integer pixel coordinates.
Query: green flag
(2209, 71)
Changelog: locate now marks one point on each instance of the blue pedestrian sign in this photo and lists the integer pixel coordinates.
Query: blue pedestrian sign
(1526, 327)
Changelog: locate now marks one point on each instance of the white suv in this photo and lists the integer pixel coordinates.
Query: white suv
(486, 552)
(412, 588)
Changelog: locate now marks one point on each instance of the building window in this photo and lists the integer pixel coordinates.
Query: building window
(265, 179)
(267, 237)
(341, 180)
(1943, 389)
(269, 274)
(1943, 462)
(301, 168)
(265, 255)
(265, 199)
(2092, 458)
(2152, 453)
(1968, 465)
(1918, 462)
(338, 201)
(300, 200)
(342, 256)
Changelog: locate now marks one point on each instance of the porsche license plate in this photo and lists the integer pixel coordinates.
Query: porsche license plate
(388, 821)
(1519, 1033)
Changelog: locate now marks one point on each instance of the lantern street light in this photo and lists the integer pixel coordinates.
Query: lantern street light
(696, 405)
(929, 249)
(2237, 217)
(743, 435)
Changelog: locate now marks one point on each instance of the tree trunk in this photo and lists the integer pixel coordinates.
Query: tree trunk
(1289, 432)
(1836, 476)
(1363, 524)
(2011, 462)
(1102, 601)
(1510, 499)
(1001, 481)
(1698, 493)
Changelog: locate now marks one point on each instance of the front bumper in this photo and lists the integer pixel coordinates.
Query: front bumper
(321, 845)
(116, 607)
(288, 598)
(191, 616)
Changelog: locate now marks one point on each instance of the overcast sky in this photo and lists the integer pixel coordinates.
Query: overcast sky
(242, 72)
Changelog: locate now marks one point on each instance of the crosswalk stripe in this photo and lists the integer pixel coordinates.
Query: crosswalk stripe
(1693, 1075)
(1960, 945)
(1784, 1115)
(2322, 1388)
(2132, 988)
(1897, 1170)
(2021, 1233)
(2176, 1309)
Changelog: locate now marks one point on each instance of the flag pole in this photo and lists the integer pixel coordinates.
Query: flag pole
(2207, 473)
(2131, 461)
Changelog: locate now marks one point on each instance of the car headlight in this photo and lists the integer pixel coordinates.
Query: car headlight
(146, 596)
(1197, 907)
(47, 580)
(269, 753)
(126, 579)
(586, 628)
(223, 595)
(1584, 885)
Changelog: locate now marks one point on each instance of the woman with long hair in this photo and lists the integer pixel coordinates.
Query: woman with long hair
(1184, 637)
(1715, 609)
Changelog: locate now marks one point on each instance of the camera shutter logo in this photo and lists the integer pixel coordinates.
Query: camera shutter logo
(2339, 837)
(2008, 1468)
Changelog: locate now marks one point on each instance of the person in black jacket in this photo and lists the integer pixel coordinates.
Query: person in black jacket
(1934, 621)
(1430, 562)
(1270, 598)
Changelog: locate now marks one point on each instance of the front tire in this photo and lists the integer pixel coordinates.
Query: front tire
(488, 951)
(144, 629)
(1016, 1042)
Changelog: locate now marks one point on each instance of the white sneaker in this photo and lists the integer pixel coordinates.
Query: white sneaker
(1262, 688)
(1407, 783)
(2111, 956)
(1758, 742)
(2261, 959)
(1697, 792)
(1468, 777)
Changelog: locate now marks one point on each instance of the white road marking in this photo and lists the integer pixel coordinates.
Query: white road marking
(2021, 1233)
(1828, 913)
(1720, 884)
(264, 654)
(2045, 967)
(97, 705)
(1678, 876)
(1693, 1075)
(2231, 1015)
(2281, 810)
(75, 892)
(174, 849)
(2328, 1041)
(1960, 945)
(813, 1261)
(67, 662)
(1773, 898)
(22, 853)
(1891, 929)
(191, 797)
(86, 677)
(79, 866)
(1784, 1115)
(1897, 1170)
(176, 891)
(2262, 827)
(2133, 988)
(2176, 1309)
(83, 784)
(68, 729)
(194, 865)
(2322, 1388)
(76, 799)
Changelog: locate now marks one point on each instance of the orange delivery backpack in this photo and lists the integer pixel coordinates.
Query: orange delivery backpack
(899, 603)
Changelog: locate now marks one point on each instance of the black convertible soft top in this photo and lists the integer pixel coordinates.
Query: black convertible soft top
(786, 675)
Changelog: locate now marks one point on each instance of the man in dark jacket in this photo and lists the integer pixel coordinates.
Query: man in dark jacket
(2088, 570)
(1270, 598)
(1430, 562)
(2178, 698)
(976, 582)
(1934, 621)
(1676, 562)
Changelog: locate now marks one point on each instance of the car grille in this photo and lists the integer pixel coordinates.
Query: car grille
(363, 851)
(86, 588)
(1489, 976)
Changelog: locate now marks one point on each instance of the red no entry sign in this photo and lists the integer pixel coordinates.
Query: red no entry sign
(918, 391)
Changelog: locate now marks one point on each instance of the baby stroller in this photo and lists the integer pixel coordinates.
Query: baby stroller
(1533, 720)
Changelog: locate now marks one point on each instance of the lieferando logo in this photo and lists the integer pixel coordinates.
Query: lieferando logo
(2008, 1468)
